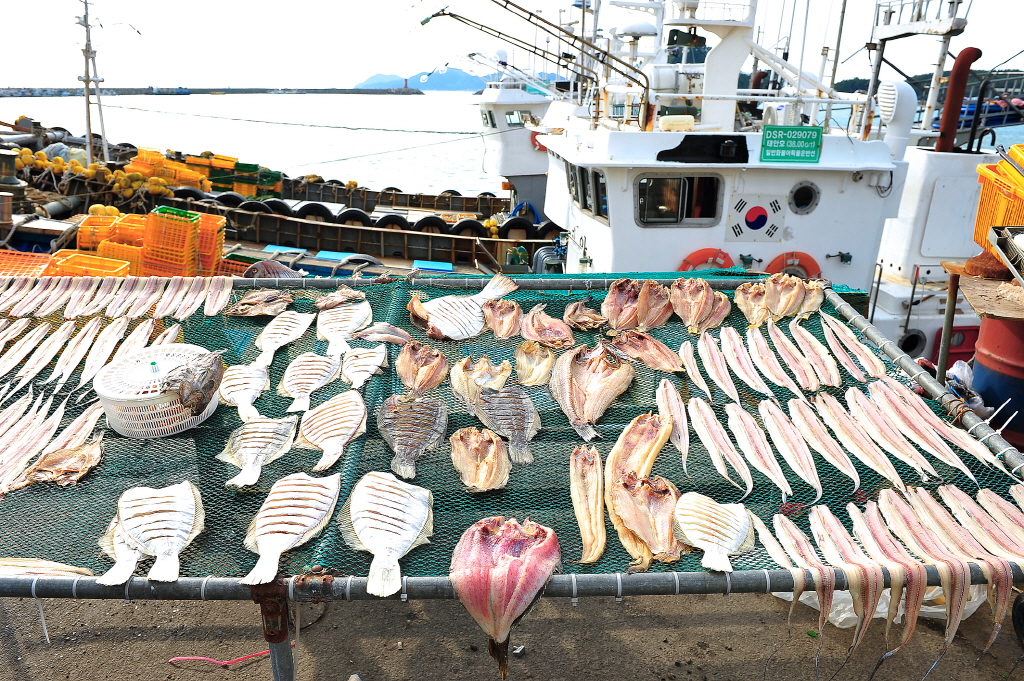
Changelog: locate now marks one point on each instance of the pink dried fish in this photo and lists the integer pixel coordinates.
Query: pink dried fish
(150, 294)
(503, 317)
(784, 294)
(739, 361)
(619, 305)
(822, 362)
(720, 309)
(21, 349)
(74, 351)
(869, 417)
(108, 288)
(670, 403)
(173, 295)
(136, 340)
(814, 296)
(102, 349)
(692, 299)
(820, 440)
(646, 348)
(80, 286)
(793, 359)
(46, 351)
(653, 307)
(17, 290)
(790, 444)
(754, 445)
(126, 296)
(19, 453)
(799, 548)
(546, 330)
(993, 536)
(77, 432)
(839, 352)
(778, 554)
(855, 440)
(167, 336)
(714, 364)
(766, 361)
(868, 359)
(217, 296)
(579, 316)
(717, 443)
(194, 298)
(43, 288)
(750, 299)
(690, 364)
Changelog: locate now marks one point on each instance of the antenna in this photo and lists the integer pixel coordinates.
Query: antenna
(91, 76)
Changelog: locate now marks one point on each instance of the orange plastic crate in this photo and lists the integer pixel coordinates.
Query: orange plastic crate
(245, 189)
(141, 167)
(1001, 203)
(163, 269)
(148, 155)
(110, 248)
(57, 256)
(130, 229)
(94, 229)
(211, 235)
(232, 268)
(82, 265)
(16, 263)
(172, 236)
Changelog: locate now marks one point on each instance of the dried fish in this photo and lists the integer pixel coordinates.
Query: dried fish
(241, 385)
(148, 297)
(115, 544)
(18, 289)
(670, 403)
(468, 378)
(750, 299)
(267, 301)
(342, 296)
(135, 341)
(297, 509)
(783, 295)
(283, 329)
(768, 364)
(510, 412)
(46, 351)
(383, 333)
(586, 487)
(714, 438)
(719, 311)
(714, 363)
(271, 269)
(337, 324)
(874, 366)
(579, 316)
(533, 363)
(20, 350)
(420, 367)
(814, 296)
(161, 522)
(498, 570)
(645, 506)
(776, 553)
(102, 349)
(194, 298)
(173, 295)
(66, 466)
(546, 330)
(388, 518)
(645, 348)
(854, 439)
(822, 362)
(754, 445)
(257, 442)
(839, 352)
(503, 317)
(126, 296)
(66, 286)
(332, 425)
(793, 359)
(653, 306)
(196, 382)
(692, 299)
(817, 436)
(457, 317)
(411, 428)
(304, 375)
(989, 533)
(217, 295)
(690, 365)
(719, 530)
(799, 548)
(87, 307)
(619, 305)
(585, 382)
(76, 432)
(869, 417)
(39, 293)
(739, 361)
(481, 459)
(361, 363)
(20, 567)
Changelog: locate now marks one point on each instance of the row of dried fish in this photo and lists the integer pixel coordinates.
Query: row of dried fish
(177, 297)
(780, 295)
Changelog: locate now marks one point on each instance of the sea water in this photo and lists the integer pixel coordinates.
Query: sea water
(417, 143)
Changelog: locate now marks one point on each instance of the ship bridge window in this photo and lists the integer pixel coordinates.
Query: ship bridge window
(673, 200)
(517, 119)
(600, 194)
(584, 184)
(571, 177)
(483, 116)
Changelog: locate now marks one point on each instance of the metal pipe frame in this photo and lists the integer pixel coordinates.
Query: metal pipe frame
(460, 282)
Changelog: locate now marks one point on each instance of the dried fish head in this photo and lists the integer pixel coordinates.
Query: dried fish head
(579, 316)
(196, 382)
(533, 363)
(469, 378)
(692, 299)
(620, 305)
(261, 302)
(481, 459)
(421, 367)
(343, 295)
(503, 317)
(653, 305)
(546, 330)
(498, 570)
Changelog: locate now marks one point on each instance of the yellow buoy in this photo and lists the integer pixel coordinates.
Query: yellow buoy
(112, 211)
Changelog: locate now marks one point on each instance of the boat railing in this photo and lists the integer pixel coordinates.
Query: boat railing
(895, 12)
(712, 11)
(369, 200)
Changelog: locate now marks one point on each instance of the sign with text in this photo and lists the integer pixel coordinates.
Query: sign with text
(791, 144)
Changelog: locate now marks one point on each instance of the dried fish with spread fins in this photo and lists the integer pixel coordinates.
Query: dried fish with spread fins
(388, 518)
(749, 297)
(546, 330)
(720, 309)
(114, 543)
(361, 363)
(481, 459)
(257, 442)
(503, 317)
(343, 295)
(653, 305)
(533, 363)
(585, 382)
(420, 367)
(268, 301)
(241, 385)
(336, 324)
(283, 329)
(457, 317)
(468, 378)
(738, 359)
(619, 304)
(510, 412)
(578, 316)
(332, 425)
(498, 570)
(297, 509)
(586, 487)
(783, 295)
(161, 522)
(719, 530)
(66, 466)
(644, 506)
(411, 427)
(306, 374)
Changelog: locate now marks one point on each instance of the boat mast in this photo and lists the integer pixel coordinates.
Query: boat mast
(91, 76)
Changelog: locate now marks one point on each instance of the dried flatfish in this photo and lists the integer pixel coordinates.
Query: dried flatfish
(305, 374)
(342, 296)
(66, 466)
(420, 367)
(161, 522)
(257, 442)
(196, 382)
(126, 556)
(333, 425)
(283, 329)
(381, 332)
(388, 518)
(510, 412)
(586, 487)
(480, 458)
(457, 317)
(498, 570)
(503, 317)
(361, 363)
(653, 305)
(546, 330)
(469, 378)
(585, 382)
(260, 302)
(411, 427)
(579, 316)
(337, 324)
(646, 348)
(719, 530)
(241, 386)
(533, 363)
(297, 509)
(692, 299)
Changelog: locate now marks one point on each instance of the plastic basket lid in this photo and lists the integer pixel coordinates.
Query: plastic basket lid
(138, 376)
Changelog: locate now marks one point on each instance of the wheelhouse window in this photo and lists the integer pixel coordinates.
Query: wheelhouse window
(570, 174)
(600, 186)
(486, 121)
(516, 119)
(584, 189)
(686, 201)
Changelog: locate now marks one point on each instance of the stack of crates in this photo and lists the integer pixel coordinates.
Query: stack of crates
(126, 242)
(94, 229)
(1001, 202)
(198, 164)
(170, 245)
(247, 179)
(211, 243)
(151, 163)
(269, 183)
(85, 265)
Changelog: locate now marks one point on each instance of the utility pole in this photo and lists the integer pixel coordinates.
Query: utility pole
(91, 76)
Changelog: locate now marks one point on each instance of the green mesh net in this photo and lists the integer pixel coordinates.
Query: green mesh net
(63, 524)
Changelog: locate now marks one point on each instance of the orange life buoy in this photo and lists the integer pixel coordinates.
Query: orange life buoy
(795, 259)
(705, 256)
(536, 143)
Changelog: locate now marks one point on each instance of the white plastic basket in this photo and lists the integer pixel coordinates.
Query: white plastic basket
(129, 391)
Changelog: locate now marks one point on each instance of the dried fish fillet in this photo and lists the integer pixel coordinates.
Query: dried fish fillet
(653, 306)
(283, 329)
(783, 295)
(585, 382)
(692, 299)
(619, 305)
(241, 385)
(66, 466)
(670, 403)
(503, 317)
(719, 530)
(383, 333)
(337, 324)
(546, 330)
(343, 295)
(586, 487)
(750, 299)
(481, 459)
(533, 363)
(645, 506)
(645, 348)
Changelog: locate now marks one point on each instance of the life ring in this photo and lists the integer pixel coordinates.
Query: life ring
(794, 260)
(705, 256)
(535, 142)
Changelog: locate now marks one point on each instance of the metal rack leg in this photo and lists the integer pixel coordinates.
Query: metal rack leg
(282, 661)
(947, 327)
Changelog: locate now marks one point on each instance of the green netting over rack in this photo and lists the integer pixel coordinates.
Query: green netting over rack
(63, 524)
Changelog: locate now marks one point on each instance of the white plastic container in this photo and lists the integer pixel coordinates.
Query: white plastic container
(129, 391)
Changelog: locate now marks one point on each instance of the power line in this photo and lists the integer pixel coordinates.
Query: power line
(421, 146)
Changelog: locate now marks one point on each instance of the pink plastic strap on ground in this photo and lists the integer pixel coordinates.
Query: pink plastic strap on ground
(221, 663)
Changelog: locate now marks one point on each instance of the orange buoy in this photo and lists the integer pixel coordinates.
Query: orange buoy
(536, 143)
(705, 256)
(794, 262)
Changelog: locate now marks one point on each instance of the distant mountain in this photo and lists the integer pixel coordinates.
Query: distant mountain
(453, 79)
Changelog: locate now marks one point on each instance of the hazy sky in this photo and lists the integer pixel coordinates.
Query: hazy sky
(310, 43)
